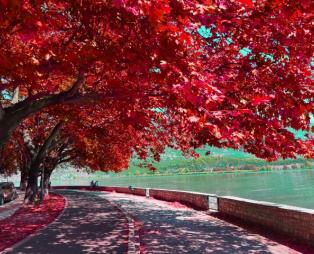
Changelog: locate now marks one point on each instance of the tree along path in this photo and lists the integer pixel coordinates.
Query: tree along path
(89, 224)
(92, 223)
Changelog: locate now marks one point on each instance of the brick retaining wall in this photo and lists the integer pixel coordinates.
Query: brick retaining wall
(193, 199)
(295, 222)
(134, 191)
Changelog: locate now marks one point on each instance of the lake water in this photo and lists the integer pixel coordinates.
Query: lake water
(292, 187)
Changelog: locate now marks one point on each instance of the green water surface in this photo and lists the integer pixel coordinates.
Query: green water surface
(291, 187)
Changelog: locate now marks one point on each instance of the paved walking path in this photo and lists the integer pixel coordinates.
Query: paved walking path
(173, 228)
(89, 224)
(92, 224)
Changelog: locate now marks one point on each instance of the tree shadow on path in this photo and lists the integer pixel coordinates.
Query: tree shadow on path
(167, 228)
(89, 224)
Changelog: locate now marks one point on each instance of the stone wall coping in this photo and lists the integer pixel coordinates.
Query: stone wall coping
(265, 203)
(182, 191)
(245, 200)
(160, 189)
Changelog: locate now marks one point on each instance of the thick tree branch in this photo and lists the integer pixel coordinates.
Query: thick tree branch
(64, 160)
(47, 144)
(37, 102)
(12, 116)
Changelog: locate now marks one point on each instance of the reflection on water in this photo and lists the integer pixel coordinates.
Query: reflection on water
(293, 187)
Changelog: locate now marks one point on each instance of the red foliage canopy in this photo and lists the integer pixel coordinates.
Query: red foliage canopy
(149, 67)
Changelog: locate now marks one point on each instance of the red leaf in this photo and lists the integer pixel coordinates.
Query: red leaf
(260, 99)
(247, 2)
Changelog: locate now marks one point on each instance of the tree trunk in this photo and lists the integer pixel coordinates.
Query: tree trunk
(47, 175)
(23, 182)
(32, 186)
(5, 132)
(32, 183)
(12, 116)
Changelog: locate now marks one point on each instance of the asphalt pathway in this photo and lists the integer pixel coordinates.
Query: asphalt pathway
(165, 227)
(89, 224)
(93, 222)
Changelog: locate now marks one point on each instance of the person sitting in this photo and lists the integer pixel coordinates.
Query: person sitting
(92, 184)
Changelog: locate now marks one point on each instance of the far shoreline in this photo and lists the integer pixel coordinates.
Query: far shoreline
(215, 172)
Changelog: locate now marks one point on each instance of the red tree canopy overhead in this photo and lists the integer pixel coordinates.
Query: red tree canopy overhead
(84, 138)
(178, 73)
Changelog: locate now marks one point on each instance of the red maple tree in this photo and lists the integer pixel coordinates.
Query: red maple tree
(177, 73)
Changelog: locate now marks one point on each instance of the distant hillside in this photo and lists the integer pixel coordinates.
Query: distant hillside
(172, 162)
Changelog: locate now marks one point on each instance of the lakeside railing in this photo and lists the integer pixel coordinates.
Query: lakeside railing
(294, 222)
